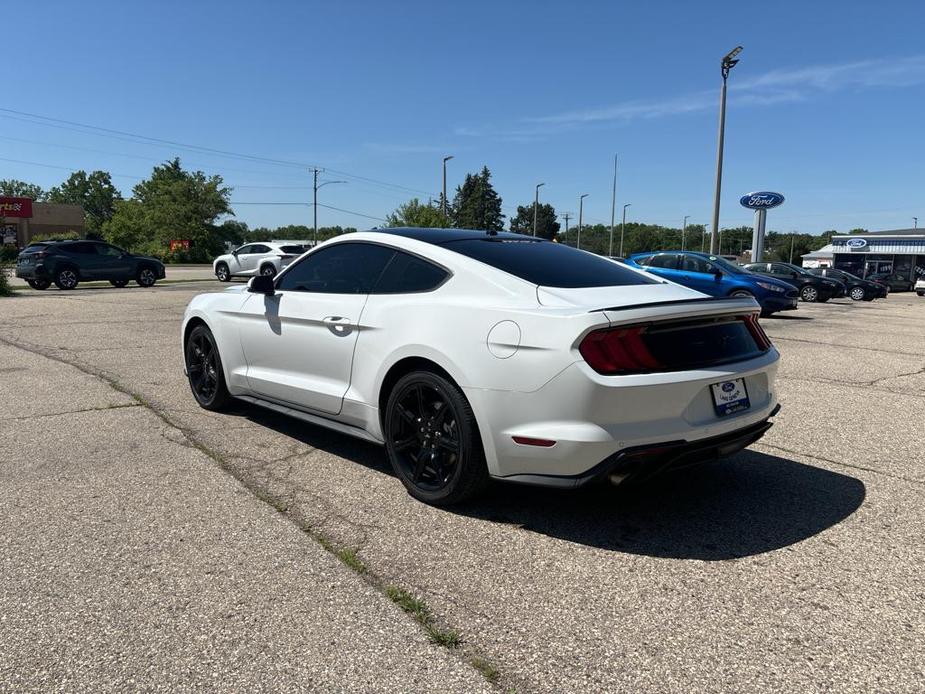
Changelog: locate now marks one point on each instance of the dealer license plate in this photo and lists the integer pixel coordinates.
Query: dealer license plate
(730, 397)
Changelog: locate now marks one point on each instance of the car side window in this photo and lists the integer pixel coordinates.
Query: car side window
(343, 268)
(781, 270)
(259, 248)
(80, 248)
(694, 263)
(108, 251)
(244, 250)
(407, 273)
(664, 260)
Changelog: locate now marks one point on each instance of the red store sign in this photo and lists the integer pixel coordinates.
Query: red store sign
(15, 207)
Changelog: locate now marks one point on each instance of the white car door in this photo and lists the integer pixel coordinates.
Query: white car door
(251, 259)
(299, 343)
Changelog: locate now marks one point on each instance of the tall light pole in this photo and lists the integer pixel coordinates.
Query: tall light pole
(727, 64)
(581, 209)
(315, 188)
(613, 203)
(445, 160)
(703, 239)
(536, 204)
(684, 230)
(915, 222)
(623, 226)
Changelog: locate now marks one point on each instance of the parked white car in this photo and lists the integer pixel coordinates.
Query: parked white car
(264, 258)
(472, 356)
(920, 287)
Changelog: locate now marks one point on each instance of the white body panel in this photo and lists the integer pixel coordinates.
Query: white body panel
(249, 264)
(511, 346)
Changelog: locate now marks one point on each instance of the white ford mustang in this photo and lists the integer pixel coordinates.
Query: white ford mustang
(474, 355)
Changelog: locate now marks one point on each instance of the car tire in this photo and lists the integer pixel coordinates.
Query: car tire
(146, 276)
(809, 294)
(268, 271)
(741, 294)
(432, 440)
(118, 284)
(921, 293)
(67, 278)
(39, 284)
(856, 293)
(204, 370)
(222, 272)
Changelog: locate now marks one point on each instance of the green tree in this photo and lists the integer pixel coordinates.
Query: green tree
(477, 204)
(415, 213)
(94, 192)
(546, 225)
(172, 204)
(14, 188)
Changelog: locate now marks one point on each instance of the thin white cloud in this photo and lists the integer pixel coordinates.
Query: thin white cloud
(774, 87)
(404, 148)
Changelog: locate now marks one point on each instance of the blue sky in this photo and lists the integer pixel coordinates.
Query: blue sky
(827, 105)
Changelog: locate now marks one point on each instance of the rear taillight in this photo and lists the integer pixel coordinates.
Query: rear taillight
(758, 334)
(39, 255)
(618, 351)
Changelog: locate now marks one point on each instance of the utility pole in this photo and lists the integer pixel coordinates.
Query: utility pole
(623, 226)
(581, 209)
(567, 216)
(613, 204)
(703, 239)
(315, 187)
(726, 65)
(684, 230)
(536, 204)
(915, 222)
(792, 235)
(445, 160)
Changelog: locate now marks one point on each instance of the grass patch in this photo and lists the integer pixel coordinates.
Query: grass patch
(419, 609)
(489, 671)
(350, 558)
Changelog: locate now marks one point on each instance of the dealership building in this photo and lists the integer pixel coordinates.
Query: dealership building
(898, 252)
(21, 219)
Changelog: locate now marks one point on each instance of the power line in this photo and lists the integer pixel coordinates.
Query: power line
(63, 168)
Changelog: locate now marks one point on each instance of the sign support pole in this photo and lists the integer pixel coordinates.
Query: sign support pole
(761, 216)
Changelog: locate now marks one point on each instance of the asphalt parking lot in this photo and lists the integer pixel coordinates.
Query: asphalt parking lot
(147, 543)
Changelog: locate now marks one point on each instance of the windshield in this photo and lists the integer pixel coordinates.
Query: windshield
(728, 267)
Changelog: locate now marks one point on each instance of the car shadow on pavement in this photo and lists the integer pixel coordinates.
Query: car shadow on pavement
(748, 504)
(741, 506)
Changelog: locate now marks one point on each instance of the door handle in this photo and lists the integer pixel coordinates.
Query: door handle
(338, 325)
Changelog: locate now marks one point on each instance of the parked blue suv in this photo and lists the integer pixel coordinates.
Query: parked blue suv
(716, 276)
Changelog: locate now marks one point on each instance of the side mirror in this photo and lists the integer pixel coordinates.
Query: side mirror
(261, 284)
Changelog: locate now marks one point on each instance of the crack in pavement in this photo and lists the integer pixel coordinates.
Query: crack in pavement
(102, 408)
(834, 344)
(853, 466)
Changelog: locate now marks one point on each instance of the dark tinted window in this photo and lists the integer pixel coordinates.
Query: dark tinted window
(344, 268)
(548, 264)
(292, 250)
(244, 249)
(80, 247)
(694, 263)
(665, 260)
(259, 248)
(107, 250)
(407, 273)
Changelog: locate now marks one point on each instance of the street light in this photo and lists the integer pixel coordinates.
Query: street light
(915, 222)
(703, 239)
(622, 225)
(315, 188)
(581, 209)
(684, 230)
(445, 160)
(613, 203)
(729, 61)
(536, 204)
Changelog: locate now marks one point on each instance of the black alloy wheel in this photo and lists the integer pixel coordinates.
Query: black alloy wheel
(146, 276)
(809, 294)
(432, 439)
(66, 278)
(118, 283)
(204, 370)
(268, 271)
(39, 284)
(222, 272)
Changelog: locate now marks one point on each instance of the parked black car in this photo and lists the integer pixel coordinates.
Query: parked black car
(882, 279)
(66, 263)
(858, 289)
(811, 288)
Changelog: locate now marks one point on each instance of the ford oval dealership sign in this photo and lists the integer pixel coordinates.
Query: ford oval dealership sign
(856, 243)
(761, 200)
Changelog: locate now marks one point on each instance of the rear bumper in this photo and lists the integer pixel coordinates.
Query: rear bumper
(31, 272)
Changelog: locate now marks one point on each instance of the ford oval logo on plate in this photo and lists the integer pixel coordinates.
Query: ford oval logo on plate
(856, 243)
(761, 201)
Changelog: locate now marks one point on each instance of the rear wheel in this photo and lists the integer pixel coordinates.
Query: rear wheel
(204, 370)
(809, 294)
(856, 293)
(433, 440)
(222, 272)
(118, 283)
(39, 284)
(66, 278)
(921, 293)
(146, 276)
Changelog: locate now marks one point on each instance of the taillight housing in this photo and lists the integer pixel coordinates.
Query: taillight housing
(674, 345)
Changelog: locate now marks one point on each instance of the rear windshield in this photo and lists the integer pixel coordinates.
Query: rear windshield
(549, 264)
(297, 250)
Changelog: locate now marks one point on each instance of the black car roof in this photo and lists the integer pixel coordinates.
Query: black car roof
(441, 236)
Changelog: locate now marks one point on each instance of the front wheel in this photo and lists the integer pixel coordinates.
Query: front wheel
(809, 294)
(204, 370)
(921, 293)
(432, 440)
(223, 273)
(146, 277)
(857, 294)
(39, 284)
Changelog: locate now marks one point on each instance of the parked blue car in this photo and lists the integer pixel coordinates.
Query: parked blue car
(716, 276)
